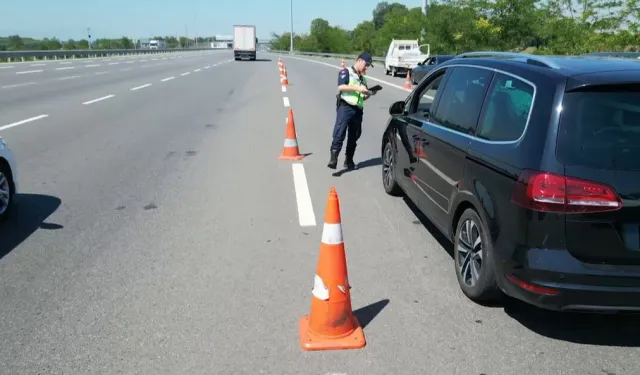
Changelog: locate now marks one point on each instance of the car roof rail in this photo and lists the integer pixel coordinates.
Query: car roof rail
(524, 57)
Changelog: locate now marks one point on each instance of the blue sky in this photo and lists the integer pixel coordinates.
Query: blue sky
(66, 19)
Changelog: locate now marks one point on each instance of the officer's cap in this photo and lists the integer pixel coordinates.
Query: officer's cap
(366, 56)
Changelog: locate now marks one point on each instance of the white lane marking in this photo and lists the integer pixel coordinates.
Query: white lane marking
(179, 57)
(68, 77)
(66, 68)
(284, 88)
(66, 62)
(140, 87)
(114, 63)
(30, 71)
(285, 101)
(37, 64)
(185, 74)
(126, 69)
(92, 66)
(146, 66)
(197, 70)
(144, 60)
(89, 61)
(164, 58)
(207, 67)
(98, 99)
(22, 122)
(168, 79)
(154, 59)
(18, 85)
(338, 67)
(130, 62)
(306, 216)
(99, 73)
(6, 67)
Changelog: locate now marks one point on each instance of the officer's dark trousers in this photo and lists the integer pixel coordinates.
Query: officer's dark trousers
(349, 124)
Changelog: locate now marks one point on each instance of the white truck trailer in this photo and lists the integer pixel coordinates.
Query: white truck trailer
(244, 42)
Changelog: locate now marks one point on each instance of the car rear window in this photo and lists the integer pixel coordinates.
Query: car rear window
(601, 129)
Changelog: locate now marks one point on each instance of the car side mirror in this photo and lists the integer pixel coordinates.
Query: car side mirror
(397, 108)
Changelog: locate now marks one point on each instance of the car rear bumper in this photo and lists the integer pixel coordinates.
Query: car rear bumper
(6, 154)
(555, 280)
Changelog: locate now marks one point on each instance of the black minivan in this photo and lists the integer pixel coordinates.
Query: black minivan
(531, 166)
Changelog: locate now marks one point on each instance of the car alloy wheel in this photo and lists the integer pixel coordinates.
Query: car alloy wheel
(388, 166)
(469, 248)
(5, 193)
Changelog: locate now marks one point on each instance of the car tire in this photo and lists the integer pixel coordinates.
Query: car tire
(389, 181)
(479, 286)
(6, 183)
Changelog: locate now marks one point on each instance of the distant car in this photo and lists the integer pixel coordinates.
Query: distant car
(8, 180)
(427, 65)
(530, 165)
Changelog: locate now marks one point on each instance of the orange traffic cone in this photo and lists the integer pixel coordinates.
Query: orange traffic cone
(284, 79)
(290, 150)
(407, 81)
(342, 64)
(331, 324)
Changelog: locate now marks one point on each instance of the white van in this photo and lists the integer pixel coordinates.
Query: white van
(404, 55)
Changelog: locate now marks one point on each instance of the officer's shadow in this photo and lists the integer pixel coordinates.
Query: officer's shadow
(364, 164)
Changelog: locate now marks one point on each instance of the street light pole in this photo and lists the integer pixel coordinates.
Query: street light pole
(291, 20)
(89, 36)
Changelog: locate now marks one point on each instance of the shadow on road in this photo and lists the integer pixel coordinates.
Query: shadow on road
(364, 164)
(621, 330)
(29, 216)
(593, 329)
(366, 314)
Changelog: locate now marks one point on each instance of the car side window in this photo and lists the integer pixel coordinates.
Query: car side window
(462, 98)
(507, 110)
(425, 97)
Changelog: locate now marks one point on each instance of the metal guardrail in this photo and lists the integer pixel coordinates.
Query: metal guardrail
(80, 53)
(327, 55)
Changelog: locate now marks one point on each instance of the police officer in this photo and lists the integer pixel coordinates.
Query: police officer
(352, 92)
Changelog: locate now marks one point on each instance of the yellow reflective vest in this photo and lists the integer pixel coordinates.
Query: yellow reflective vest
(353, 97)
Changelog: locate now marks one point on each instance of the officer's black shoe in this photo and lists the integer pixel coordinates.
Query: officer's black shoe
(333, 162)
(348, 163)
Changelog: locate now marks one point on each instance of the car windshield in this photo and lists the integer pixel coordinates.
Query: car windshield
(601, 129)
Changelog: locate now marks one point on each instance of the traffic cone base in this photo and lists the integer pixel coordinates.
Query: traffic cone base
(310, 341)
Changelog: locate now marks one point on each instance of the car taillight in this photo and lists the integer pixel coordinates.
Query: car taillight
(548, 192)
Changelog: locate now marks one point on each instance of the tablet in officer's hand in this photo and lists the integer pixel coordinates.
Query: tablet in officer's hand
(375, 88)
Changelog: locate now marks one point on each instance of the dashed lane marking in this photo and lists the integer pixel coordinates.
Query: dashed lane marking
(168, 79)
(100, 73)
(285, 101)
(30, 71)
(6, 67)
(68, 77)
(197, 70)
(306, 216)
(185, 74)
(284, 88)
(18, 85)
(37, 64)
(98, 99)
(140, 87)
(92, 66)
(22, 122)
(66, 68)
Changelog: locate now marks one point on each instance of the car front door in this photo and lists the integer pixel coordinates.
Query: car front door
(448, 134)
(424, 99)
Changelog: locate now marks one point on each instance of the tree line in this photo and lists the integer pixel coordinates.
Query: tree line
(18, 43)
(559, 27)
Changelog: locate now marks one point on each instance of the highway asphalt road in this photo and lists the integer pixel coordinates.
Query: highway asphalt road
(158, 233)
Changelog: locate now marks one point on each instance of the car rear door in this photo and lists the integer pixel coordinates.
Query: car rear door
(599, 145)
